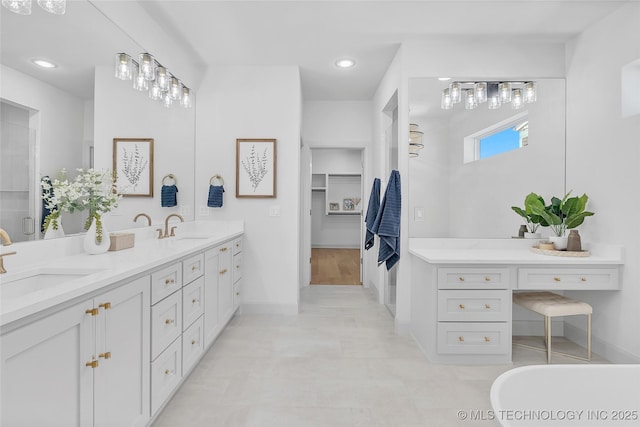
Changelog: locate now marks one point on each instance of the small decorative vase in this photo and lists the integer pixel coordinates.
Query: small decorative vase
(559, 242)
(531, 235)
(91, 244)
(574, 243)
(51, 233)
(522, 230)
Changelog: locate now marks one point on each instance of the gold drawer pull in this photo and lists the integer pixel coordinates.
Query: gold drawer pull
(106, 355)
(193, 301)
(237, 293)
(93, 364)
(487, 279)
(487, 339)
(194, 268)
(461, 279)
(487, 306)
(169, 281)
(556, 279)
(237, 266)
(193, 342)
(461, 306)
(106, 305)
(583, 279)
(92, 311)
(223, 271)
(168, 372)
(169, 321)
(223, 249)
(461, 338)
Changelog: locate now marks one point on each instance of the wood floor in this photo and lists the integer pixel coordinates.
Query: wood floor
(335, 266)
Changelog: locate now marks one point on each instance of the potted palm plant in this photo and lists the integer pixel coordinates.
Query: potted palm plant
(533, 221)
(562, 215)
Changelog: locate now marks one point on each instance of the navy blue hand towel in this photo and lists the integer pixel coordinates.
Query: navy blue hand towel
(215, 196)
(169, 196)
(372, 213)
(387, 223)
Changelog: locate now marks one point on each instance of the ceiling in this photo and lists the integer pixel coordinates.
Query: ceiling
(309, 34)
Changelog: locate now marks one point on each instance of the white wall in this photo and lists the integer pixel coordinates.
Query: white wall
(122, 112)
(603, 161)
(59, 125)
(255, 102)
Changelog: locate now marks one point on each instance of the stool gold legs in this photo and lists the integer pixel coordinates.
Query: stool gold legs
(547, 341)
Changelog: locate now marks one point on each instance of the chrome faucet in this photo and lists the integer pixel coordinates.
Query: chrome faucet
(166, 225)
(6, 241)
(144, 215)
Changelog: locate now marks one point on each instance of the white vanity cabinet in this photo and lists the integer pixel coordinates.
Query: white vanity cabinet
(237, 272)
(218, 290)
(84, 365)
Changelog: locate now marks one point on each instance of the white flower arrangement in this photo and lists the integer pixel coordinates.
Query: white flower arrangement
(92, 190)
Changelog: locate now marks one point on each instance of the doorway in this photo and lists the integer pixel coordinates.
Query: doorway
(336, 216)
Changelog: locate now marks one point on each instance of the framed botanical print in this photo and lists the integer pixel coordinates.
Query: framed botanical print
(133, 166)
(255, 168)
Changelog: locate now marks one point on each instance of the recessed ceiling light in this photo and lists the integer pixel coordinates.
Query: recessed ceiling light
(44, 64)
(345, 63)
(444, 79)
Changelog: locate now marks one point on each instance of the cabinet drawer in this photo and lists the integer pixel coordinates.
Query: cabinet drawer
(166, 323)
(473, 338)
(568, 278)
(473, 278)
(236, 294)
(473, 305)
(166, 372)
(237, 267)
(165, 282)
(192, 302)
(237, 245)
(192, 345)
(192, 268)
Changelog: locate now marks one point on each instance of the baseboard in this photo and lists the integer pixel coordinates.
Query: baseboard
(611, 352)
(269, 308)
(335, 246)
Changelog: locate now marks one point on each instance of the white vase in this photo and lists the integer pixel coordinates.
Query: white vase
(559, 242)
(51, 233)
(91, 245)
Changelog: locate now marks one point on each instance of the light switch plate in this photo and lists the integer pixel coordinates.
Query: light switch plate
(274, 210)
(418, 214)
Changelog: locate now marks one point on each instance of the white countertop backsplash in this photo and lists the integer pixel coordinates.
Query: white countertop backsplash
(114, 266)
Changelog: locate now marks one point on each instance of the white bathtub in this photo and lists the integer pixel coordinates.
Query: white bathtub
(568, 395)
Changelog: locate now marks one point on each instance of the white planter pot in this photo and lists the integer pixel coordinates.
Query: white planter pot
(91, 245)
(559, 242)
(531, 235)
(50, 233)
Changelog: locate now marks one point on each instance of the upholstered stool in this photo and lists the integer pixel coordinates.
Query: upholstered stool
(552, 305)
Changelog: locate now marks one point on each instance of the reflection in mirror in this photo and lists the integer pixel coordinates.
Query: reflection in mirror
(457, 192)
(58, 112)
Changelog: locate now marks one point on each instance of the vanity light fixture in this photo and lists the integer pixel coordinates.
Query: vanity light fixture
(149, 75)
(415, 140)
(493, 93)
(23, 7)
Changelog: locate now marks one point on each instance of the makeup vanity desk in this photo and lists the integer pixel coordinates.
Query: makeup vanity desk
(461, 291)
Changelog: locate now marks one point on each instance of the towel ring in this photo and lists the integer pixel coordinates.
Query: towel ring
(170, 176)
(218, 177)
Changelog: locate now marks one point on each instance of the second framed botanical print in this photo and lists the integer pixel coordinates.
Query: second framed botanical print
(255, 168)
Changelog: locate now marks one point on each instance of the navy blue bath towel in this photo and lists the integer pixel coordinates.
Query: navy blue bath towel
(387, 223)
(215, 196)
(169, 196)
(372, 213)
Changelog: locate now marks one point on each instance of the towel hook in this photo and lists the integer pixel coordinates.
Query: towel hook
(218, 177)
(170, 176)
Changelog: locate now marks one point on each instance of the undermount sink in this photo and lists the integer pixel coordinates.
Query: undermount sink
(19, 284)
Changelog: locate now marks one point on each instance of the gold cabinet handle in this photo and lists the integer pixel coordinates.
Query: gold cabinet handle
(461, 338)
(461, 279)
(461, 306)
(93, 364)
(106, 305)
(194, 267)
(169, 321)
(583, 279)
(237, 266)
(487, 279)
(168, 372)
(169, 281)
(193, 301)
(487, 339)
(106, 355)
(223, 271)
(237, 293)
(193, 342)
(487, 306)
(556, 279)
(223, 249)
(92, 311)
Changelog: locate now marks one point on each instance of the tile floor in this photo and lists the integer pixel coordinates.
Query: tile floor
(338, 363)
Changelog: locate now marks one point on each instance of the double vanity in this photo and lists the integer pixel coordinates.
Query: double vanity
(461, 291)
(104, 340)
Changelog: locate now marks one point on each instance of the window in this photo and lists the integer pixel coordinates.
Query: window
(507, 135)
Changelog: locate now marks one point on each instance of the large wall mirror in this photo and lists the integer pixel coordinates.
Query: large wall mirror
(455, 192)
(67, 116)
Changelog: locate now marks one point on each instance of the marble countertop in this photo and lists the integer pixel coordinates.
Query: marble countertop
(504, 251)
(110, 268)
